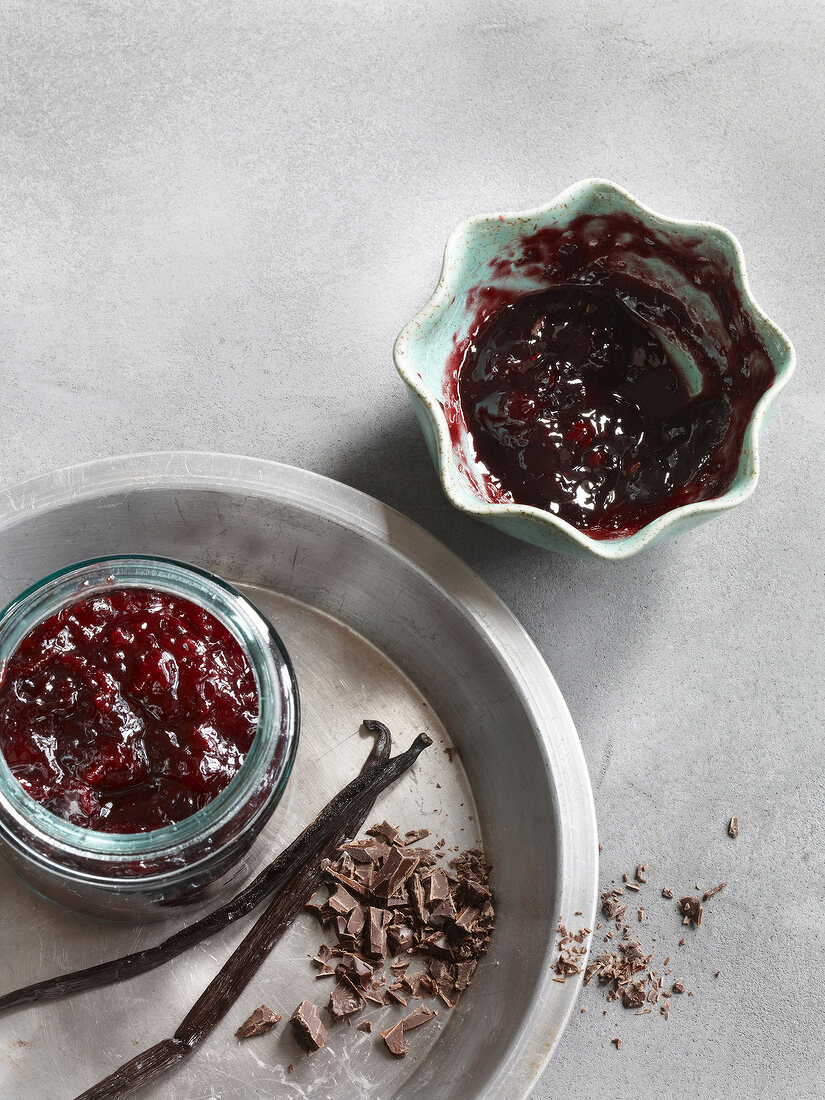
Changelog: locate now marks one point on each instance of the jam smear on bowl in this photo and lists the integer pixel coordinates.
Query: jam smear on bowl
(127, 711)
(600, 395)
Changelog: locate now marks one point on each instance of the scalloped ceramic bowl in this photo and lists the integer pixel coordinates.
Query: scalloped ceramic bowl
(422, 352)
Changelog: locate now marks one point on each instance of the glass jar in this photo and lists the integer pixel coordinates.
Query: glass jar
(150, 875)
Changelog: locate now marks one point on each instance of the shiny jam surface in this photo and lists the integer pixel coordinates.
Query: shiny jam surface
(128, 710)
(573, 395)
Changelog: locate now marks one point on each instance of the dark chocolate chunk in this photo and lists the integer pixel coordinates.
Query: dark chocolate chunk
(306, 1024)
(261, 1021)
(365, 1025)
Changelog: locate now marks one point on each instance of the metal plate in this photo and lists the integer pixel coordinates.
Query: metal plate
(381, 621)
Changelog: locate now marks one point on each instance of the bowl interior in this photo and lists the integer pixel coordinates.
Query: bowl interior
(500, 253)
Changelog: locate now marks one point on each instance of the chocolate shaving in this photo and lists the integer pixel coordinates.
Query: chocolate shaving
(309, 1032)
(261, 1021)
(341, 819)
(712, 893)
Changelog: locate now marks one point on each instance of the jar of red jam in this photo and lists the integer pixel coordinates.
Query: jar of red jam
(149, 719)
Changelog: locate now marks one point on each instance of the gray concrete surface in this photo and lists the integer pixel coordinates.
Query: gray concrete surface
(215, 218)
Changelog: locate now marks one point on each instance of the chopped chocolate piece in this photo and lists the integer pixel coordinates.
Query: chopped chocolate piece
(444, 913)
(325, 972)
(377, 931)
(464, 972)
(374, 997)
(355, 922)
(394, 1039)
(437, 944)
(617, 1042)
(666, 893)
(315, 906)
(365, 1025)
(438, 886)
(692, 910)
(386, 830)
(342, 901)
(400, 937)
(633, 994)
(306, 1024)
(733, 828)
(393, 991)
(345, 999)
(355, 968)
(712, 893)
(467, 919)
(290, 1068)
(416, 891)
(640, 872)
(261, 1021)
(346, 880)
(678, 987)
(633, 886)
(611, 908)
(682, 942)
(414, 835)
(419, 1016)
(394, 872)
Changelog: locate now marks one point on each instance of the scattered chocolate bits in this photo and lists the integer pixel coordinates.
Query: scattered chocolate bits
(666, 893)
(691, 909)
(261, 1021)
(306, 1024)
(617, 1043)
(390, 900)
(733, 828)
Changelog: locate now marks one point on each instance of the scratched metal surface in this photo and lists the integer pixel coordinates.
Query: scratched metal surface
(381, 622)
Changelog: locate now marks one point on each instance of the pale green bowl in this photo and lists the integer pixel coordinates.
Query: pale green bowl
(421, 353)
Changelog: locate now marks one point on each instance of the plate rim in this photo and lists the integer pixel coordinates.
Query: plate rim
(558, 741)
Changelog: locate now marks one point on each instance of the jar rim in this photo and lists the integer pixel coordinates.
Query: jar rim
(35, 827)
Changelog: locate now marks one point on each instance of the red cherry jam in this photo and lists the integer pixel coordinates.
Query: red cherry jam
(127, 711)
(574, 397)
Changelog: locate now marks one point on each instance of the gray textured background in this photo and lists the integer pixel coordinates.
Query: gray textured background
(216, 217)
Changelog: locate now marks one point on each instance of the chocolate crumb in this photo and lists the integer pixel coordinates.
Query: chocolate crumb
(678, 987)
(290, 1068)
(712, 893)
(617, 1043)
(691, 908)
(682, 942)
(733, 828)
(365, 1025)
(450, 752)
(666, 893)
(640, 872)
(718, 972)
(261, 1021)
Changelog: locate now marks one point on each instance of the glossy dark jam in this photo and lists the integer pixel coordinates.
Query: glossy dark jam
(127, 711)
(576, 396)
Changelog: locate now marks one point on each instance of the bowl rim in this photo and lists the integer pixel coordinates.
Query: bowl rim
(615, 549)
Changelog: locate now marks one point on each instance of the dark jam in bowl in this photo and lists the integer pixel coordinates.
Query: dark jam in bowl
(604, 395)
(127, 711)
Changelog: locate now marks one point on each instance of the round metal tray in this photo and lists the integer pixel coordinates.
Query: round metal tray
(382, 622)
